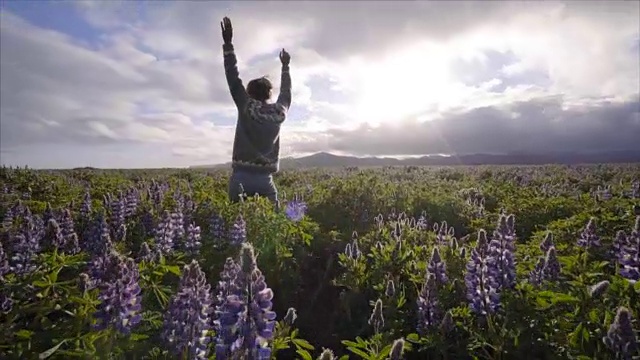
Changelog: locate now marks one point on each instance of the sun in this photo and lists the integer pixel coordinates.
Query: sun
(403, 84)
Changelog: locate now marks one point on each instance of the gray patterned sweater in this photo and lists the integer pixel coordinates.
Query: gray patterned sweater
(256, 146)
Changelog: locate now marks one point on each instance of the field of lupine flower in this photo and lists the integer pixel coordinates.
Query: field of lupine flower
(397, 263)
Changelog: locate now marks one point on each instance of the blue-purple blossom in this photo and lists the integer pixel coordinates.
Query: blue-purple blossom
(535, 276)
(629, 255)
(118, 211)
(552, 268)
(53, 236)
(70, 238)
(6, 302)
(26, 245)
(429, 311)
(4, 263)
(217, 227)
(187, 320)
(7, 220)
(396, 349)
(99, 242)
(443, 232)
(437, 267)
(501, 249)
(177, 223)
(145, 254)
(422, 223)
(599, 289)
(48, 213)
(482, 279)
(238, 231)
(164, 235)
(148, 222)
(244, 319)
(85, 208)
(295, 209)
(192, 243)
(390, 289)
(119, 295)
(131, 201)
(588, 237)
(620, 338)
(547, 242)
(327, 354)
(377, 318)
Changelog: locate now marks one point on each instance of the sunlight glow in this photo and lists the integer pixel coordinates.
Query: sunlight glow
(402, 85)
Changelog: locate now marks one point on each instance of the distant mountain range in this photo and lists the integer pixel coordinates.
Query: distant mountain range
(327, 160)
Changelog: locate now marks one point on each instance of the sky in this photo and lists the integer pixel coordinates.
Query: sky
(123, 84)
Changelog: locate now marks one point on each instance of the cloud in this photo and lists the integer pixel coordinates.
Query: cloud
(368, 78)
(538, 125)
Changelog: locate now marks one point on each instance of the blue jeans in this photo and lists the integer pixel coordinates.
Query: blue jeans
(252, 183)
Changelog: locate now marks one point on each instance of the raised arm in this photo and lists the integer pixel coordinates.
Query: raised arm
(238, 92)
(284, 98)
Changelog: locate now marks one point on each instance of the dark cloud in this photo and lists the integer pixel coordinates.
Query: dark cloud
(539, 125)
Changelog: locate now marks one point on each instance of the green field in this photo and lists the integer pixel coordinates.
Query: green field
(482, 262)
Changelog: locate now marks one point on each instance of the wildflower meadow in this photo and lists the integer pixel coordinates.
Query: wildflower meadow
(485, 262)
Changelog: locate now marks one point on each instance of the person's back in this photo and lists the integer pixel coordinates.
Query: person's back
(256, 146)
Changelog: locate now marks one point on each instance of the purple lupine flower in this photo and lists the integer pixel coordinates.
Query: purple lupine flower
(295, 210)
(327, 354)
(4, 263)
(244, 319)
(390, 289)
(48, 213)
(85, 209)
(217, 227)
(396, 349)
(481, 279)
(7, 221)
(192, 243)
(629, 255)
(147, 221)
(100, 240)
(26, 245)
(547, 242)
(621, 338)
(131, 201)
(117, 207)
(119, 295)
(535, 276)
(501, 248)
(598, 289)
(619, 242)
(422, 224)
(177, 220)
(145, 254)
(447, 324)
(187, 320)
(68, 232)
(238, 231)
(164, 235)
(377, 318)
(551, 269)
(429, 312)
(53, 236)
(588, 237)
(437, 267)
(443, 231)
(226, 285)
(188, 209)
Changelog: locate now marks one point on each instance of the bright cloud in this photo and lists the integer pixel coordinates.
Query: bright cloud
(128, 84)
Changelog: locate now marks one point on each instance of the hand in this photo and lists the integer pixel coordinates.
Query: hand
(227, 30)
(284, 57)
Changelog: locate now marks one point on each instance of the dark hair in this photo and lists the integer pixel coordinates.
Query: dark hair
(260, 89)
